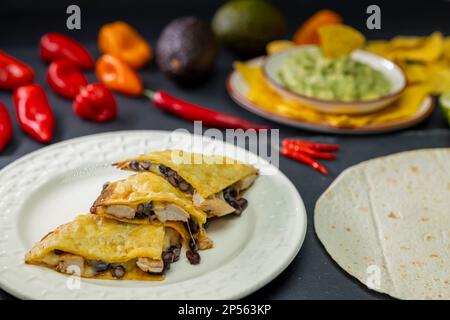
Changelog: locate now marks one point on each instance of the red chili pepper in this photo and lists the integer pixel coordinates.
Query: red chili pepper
(6, 127)
(301, 157)
(64, 77)
(315, 145)
(14, 73)
(296, 147)
(55, 46)
(95, 103)
(193, 112)
(34, 113)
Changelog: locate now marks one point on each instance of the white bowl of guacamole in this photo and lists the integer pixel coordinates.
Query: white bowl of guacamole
(361, 82)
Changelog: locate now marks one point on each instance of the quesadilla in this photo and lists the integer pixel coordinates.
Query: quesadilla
(146, 197)
(95, 247)
(214, 183)
(387, 222)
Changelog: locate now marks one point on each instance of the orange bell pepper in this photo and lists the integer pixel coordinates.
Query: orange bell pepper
(118, 76)
(307, 33)
(121, 40)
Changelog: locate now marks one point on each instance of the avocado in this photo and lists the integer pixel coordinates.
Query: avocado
(246, 26)
(186, 50)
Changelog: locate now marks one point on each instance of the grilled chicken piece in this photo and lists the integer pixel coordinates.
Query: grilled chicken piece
(71, 264)
(245, 183)
(121, 211)
(204, 243)
(171, 212)
(214, 205)
(148, 265)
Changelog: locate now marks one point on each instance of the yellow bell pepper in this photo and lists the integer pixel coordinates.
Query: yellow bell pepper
(122, 41)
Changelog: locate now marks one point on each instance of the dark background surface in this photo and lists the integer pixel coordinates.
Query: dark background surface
(312, 275)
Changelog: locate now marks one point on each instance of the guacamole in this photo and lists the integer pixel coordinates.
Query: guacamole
(309, 73)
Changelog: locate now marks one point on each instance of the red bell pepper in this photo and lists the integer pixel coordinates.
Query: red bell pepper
(65, 78)
(55, 46)
(6, 128)
(14, 73)
(34, 114)
(95, 103)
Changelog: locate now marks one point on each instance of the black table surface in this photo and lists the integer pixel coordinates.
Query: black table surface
(313, 274)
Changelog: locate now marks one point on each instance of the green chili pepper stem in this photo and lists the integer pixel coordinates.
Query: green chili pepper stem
(149, 94)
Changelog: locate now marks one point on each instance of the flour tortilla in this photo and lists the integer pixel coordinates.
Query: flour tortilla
(391, 217)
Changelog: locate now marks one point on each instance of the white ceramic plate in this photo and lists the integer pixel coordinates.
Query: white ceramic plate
(51, 186)
(390, 70)
(237, 88)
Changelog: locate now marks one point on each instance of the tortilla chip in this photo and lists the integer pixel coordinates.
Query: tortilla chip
(380, 47)
(436, 75)
(408, 104)
(406, 42)
(440, 82)
(338, 40)
(415, 72)
(262, 95)
(425, 60)
(446, 48)
(429, 50)
(278, 46)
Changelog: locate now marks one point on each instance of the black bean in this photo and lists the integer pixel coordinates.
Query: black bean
(171, 173)
(99, 266)
(178, 178)
(140, 208)
(193, 226)
(230, 194)
(117, 271)
(238, 211)
(148, 207)
(163, 169)
(167, 257)
(176, 253)
(234, 203)
(184, 186)
(193, 244)
(58, 252)
(140, 211)
(140, 215)
(134, 165)
(144, 165)
(173, 181)
(243, 203)
(193, 257)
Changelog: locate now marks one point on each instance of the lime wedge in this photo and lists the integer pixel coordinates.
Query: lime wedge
(444, 103)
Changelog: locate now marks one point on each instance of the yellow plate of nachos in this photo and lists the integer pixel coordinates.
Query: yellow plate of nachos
(248, 88)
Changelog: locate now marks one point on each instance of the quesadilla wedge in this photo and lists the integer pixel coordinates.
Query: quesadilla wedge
(214, 183)
(95, 247)
(146, 197)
